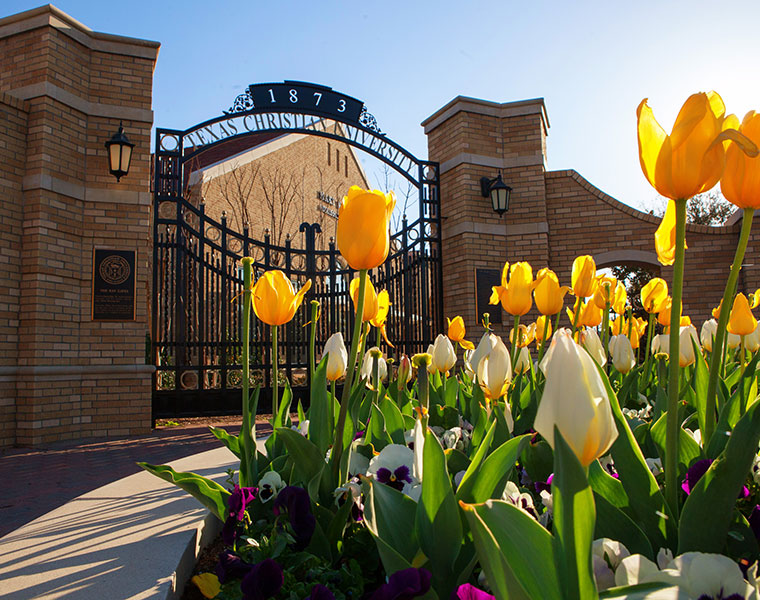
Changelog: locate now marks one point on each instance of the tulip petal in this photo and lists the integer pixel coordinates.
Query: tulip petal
(651, 138)
(665, 236)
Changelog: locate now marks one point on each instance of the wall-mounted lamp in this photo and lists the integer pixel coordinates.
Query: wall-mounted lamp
(497, 191)
(119, 153)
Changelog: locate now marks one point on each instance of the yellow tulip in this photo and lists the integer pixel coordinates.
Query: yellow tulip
(741, 321)
(371, 300)
(654, 295)
(754, 299)
(575, 401)
(604, 293)
(637, 330)
(456, 332)
(591, 315)
(663, 316)
(525, 336)
(665, 236)
(740, 183)
(541, 322)
(688, 161)
(381, 317)
(619, 298)
(716, 310)
(363, 238)
(514, 295)
(619, 326)
(274, 300)
(584, 276)
(547, 292)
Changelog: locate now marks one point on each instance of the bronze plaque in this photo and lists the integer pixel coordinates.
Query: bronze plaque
(113, 284)
(485, 280)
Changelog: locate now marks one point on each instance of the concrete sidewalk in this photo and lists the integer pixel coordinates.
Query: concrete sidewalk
(36, 481)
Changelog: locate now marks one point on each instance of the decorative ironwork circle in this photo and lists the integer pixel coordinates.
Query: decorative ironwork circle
(169, 142)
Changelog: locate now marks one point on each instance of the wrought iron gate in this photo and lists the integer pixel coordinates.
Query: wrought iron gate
(195, 324)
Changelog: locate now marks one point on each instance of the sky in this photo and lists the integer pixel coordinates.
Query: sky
(592, 62)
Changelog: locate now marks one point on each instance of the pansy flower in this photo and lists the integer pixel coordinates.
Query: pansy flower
(296, 503)
(394, 466)
(263, 581)
(269, 485)
(404, 585)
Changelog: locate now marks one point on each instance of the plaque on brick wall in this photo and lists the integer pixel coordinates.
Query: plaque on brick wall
(113, 285)
(485, 279)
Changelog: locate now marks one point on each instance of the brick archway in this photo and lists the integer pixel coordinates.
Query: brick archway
(554, 216)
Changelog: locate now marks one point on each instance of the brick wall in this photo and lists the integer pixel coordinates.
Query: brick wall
(65, 89)
(553, 216)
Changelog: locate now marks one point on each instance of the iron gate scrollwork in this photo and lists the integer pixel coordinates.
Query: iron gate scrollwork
(196, 337)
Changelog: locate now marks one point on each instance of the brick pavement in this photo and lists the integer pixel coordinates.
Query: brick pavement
(35, 481)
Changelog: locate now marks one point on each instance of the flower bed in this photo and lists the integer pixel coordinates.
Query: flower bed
(611, 467)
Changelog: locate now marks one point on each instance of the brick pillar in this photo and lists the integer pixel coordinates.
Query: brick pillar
(471, 139)
(74, 377)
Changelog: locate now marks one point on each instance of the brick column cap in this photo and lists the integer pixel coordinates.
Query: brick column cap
(486, 107)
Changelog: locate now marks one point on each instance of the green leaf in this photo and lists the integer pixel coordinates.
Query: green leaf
(439, 529)
(646, 500)
(644, 591)
(230, 441)
(320, 428)
(392, 560)
(688, 450)
(452, 391)
(376, 433)
(514, 551)
(701, 378)
(390, 516)
(212, 495)
(465, 485)
(308, 461)
(606, 486)
(489, 480)
(613, 523)
(394, 420)
(574, 520)
(708, 511)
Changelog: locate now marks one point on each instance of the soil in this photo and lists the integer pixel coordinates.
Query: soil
(206, 563)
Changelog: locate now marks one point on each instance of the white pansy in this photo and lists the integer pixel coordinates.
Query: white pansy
(394, 466)
(702, 575)
(635, 569)
(664, 557)
(655, 465)
(611, 551)
(302, 428)
(357, 462)
(521, 500)
(756, 468)
(270, 485)
(696, 436)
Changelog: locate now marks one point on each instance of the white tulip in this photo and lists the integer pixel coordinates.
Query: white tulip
(661, 344)
(544, 364)
(593, 345)
(431, 366)
(687, 338)
(621, 351)
(484, 347)
(444, 356)
(576, 402)
(752, 341)
(495, 370)
(707, 334)
(733, 340)
(368, 366)
(337, 356)
(522, 364)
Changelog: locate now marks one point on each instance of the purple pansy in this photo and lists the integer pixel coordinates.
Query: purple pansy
(395, 478)
(320, 592)
(295, 501)
(263, 581)
(467, 591)
(544, 486)
(697, 471)
(231, 566)
(230, 531)
(754, 521)
(239, 499)
(404, 585)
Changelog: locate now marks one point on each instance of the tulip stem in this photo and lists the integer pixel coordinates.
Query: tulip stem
(672, 424)
(275, 377)
(650, 331)
(248, 429)
(312, 338)
(337, 449)
(605, 328)
(725, 310)
(543, 338)
(515, 333)
(332, 405)
(376, 378)
(576, 316)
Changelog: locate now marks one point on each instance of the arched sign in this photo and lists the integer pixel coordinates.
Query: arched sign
(296, 107)
(195, 328)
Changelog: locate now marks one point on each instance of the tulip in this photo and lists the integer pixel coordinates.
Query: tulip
(363, 238)
(619, 326)
(593, 345)
(371, 300)
(661, 344)
(404, 373)
(752, 340)
(430, 366)
(591, 315)
(456, 332)
(369, 364)
(688, 336)
(522, 364)
(514, 295)
(663, 316)
(637, 330)
(740, 183)
(583, 277)
(274, 300)
(742, 321)
(543, 322)
(547, 292)
(687, 162)
(619, 298)
(621, 352)
(732, 341)
(524, 336)
(444, 356)
(380, 318)
(495, 371)
(575, 401)
(707, 334)
(484, 347)
(604, 293)
(654, 295)
(337, 356)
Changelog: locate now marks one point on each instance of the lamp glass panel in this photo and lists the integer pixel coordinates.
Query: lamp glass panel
(126, 157)
(114, 152)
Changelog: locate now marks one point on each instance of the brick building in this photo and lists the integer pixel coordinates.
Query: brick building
(277, 182)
